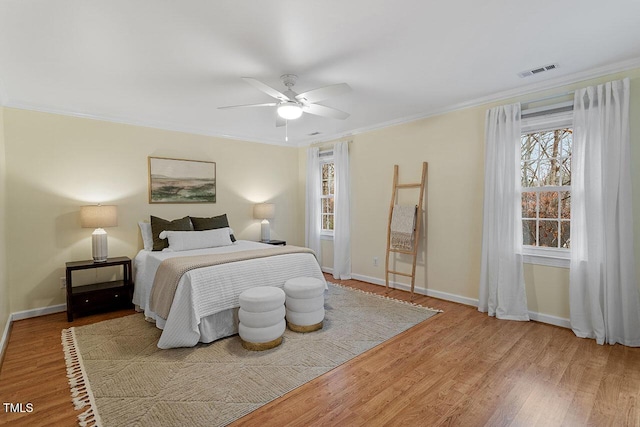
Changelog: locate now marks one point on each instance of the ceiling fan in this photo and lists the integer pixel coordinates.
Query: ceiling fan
(290, 105)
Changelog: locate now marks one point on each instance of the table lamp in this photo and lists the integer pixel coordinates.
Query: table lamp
(98, 217)
(265, 212)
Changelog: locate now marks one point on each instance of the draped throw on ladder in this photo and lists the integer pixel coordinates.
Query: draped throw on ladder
(403, 224)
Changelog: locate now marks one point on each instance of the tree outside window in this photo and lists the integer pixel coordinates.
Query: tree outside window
(328, 190)
(546, 188)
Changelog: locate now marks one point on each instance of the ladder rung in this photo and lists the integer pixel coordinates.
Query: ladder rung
(401, 251)
(401, 274)
(408, 185)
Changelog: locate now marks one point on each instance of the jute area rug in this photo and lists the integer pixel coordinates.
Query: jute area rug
(119, 377)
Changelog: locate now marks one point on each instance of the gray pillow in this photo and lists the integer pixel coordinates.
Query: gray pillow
(212, 223)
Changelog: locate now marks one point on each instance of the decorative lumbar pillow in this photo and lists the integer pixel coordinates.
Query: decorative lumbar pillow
(212, 223)
(158, 225)
(147, 235)
(187, 240)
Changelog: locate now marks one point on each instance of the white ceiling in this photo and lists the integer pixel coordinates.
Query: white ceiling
(170, 64)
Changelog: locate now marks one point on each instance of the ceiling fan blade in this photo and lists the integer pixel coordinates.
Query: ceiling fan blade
(321, 110)
(266, 89)
(326, 92)
(280, 121)
(270, 104)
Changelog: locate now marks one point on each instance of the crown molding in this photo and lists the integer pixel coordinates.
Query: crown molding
(499, 96)
(141, 123)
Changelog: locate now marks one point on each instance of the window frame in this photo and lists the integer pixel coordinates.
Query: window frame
(553, 257)
(326, 157)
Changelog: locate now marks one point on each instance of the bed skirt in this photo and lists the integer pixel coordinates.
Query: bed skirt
(214, 327)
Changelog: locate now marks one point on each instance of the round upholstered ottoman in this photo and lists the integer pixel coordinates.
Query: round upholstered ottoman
(261, 317)
(304, 303)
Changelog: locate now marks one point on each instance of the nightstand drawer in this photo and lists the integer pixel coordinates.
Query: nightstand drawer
(107, 296)
(100, 300)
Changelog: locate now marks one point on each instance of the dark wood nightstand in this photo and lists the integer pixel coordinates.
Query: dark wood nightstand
(275, 242)
(98, 297)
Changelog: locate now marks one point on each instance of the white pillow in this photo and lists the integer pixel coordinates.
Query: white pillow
(186, 240)
(147, 235)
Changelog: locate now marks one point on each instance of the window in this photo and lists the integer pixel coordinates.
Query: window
(546, 145)
(327, 171)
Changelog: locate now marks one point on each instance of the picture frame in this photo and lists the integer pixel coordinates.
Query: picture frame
(181, 180)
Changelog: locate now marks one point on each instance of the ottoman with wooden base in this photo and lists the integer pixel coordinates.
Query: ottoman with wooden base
(261, 317)
(304, 304)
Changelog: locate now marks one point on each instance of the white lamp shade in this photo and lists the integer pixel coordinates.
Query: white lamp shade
(289, 110)
(98, 216)
(264, 210)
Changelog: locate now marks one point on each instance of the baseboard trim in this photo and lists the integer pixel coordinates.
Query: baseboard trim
(533, 315)
(549, 319)
(5, 339)
(428, 292)
(35, 312)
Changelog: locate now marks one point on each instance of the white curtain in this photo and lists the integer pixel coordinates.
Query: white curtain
(342, 215)
(313, 216)
(502, 289)
(603, 288)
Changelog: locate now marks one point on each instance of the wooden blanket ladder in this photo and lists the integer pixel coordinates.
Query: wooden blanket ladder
(418, 221)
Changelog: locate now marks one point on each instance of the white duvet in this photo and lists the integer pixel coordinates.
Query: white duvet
(205, 304)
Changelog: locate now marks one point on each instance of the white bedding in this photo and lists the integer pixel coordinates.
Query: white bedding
(205, 305)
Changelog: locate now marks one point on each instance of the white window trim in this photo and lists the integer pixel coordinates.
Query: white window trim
(552, 257)
(325, 157)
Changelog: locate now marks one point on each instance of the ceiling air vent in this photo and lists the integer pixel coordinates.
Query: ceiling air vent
(538, 70)
(314, 133)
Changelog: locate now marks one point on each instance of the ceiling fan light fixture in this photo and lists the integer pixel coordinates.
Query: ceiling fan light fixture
(289, 110)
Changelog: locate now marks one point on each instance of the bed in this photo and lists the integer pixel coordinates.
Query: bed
(205, 304)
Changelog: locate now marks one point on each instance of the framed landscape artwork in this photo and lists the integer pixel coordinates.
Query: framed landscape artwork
(181, 181)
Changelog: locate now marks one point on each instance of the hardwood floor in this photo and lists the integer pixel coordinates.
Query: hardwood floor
(460, 367)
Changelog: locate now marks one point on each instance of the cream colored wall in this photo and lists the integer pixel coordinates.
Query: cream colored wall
(449, 252)
(57, 163)
(453, 145)
(4, 284)
(547, 290)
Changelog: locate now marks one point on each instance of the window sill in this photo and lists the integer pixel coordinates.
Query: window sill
(326, 236)
(545, 256)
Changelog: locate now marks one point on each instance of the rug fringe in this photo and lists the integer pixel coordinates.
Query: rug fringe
(81, 394)
(386, 297)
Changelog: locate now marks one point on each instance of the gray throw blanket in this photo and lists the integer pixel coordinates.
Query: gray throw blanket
(403, 222)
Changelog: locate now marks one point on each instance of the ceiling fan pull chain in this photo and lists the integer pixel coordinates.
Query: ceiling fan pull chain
(286, 130)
